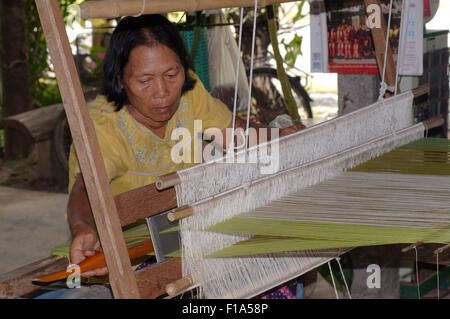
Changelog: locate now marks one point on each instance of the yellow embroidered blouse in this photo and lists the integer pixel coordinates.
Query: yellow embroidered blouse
(132, 154)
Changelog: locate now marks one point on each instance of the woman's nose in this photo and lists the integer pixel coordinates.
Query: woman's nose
(161, 89)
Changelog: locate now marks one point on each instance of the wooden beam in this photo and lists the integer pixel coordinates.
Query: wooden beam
(108, 9)
(122, 280)
(152, 280)
(421, 90)
(144, 202)
(425, 253)
(18, 282)
(379, 39)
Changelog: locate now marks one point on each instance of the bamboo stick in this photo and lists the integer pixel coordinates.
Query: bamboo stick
(109, 9)
(434, 122)
(291, 104)
(167, 181)
(411, 247)
(180, 213)
(176, 287)
(379, 38)
(442, 249)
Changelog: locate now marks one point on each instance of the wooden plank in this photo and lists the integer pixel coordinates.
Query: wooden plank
(108, 9)
(18, 282)
(379, 39)
(144, 202)
(424, 253)
(153, 279)
(122, 279)
(421, 90)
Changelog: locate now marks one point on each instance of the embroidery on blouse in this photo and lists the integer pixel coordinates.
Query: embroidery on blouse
(150, 153)
(145, 153)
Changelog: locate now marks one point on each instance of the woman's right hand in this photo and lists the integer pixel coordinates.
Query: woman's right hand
(84, 244)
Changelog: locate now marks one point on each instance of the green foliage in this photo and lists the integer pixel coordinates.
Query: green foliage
(299, 14)
(97, 54)
(44, 87)
(293, 49)
(286, 20)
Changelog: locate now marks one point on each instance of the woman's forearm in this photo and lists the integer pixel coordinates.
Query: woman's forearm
(79, 212)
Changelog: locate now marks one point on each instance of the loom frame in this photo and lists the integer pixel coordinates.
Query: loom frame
(113, 212)
(104, 208)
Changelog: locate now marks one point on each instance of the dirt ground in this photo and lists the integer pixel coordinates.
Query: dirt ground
(32, 215)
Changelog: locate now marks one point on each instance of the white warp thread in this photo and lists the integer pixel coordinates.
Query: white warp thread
(331, 137)
(242, 277)
(383, 199)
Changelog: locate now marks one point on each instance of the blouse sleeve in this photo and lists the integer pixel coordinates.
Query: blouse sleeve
(110, 148)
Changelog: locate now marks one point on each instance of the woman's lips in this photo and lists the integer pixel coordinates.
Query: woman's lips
(163, 109)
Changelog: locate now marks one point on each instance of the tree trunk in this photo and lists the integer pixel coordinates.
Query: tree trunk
(15, 74)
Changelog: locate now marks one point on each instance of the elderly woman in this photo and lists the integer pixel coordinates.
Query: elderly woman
(149, 91)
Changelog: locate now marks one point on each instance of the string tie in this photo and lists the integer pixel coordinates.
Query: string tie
(332, 279)
(142, 10)
(437, 273)
(383, 88)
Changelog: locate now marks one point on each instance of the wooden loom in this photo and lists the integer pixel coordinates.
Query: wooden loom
(111, 213)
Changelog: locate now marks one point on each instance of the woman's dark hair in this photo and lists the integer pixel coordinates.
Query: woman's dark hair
(130, 33)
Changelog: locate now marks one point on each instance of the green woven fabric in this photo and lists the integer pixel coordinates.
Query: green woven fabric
(429, 156)
(300, 236)
(200, 60)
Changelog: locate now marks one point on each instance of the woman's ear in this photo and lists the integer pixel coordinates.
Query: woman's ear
(120, 81)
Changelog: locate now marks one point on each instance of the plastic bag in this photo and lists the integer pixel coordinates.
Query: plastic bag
(223, 55)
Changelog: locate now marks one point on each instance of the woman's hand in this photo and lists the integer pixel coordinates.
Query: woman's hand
(84, 244)
(291, 129)
(82, 226)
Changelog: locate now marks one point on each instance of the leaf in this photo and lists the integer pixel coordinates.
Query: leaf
(293, 49)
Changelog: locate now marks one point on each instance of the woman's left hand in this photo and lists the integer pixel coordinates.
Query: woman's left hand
(291, 129)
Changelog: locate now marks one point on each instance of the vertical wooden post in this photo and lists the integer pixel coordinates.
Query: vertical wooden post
(122, 279)
(379, 39)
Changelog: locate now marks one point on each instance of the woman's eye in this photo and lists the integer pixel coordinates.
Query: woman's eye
(173, 73)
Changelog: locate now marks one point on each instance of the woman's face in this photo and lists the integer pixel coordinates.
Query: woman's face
(152, 79)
